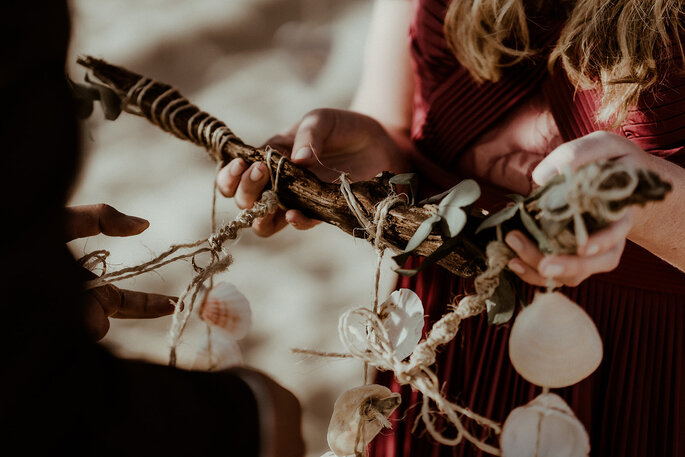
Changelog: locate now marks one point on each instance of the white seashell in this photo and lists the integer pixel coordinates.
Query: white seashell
(226, 308)
(218, 352)
(553, 342)
(402, 317)
(358, 415)
(545, 427)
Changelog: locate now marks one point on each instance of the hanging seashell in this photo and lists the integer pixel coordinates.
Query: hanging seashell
(358, 415)
(402, 317)
(217, 352)
(228, 309)
(553, 342)
(545, 427)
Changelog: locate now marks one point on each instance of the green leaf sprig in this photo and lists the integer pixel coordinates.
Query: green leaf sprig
(452, 218)
(86, 94)
(519, 208)
(407, 179)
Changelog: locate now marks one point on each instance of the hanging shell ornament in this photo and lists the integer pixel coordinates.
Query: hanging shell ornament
(227, 309)
(553, 342)
(228, 315)
(545, 427)
(218, 352)
(359, 415)
(402, 317)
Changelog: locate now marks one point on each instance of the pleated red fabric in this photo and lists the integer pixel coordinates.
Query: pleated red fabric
(634, 404)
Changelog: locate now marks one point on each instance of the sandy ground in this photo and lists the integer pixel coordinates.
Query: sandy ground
(259, 65)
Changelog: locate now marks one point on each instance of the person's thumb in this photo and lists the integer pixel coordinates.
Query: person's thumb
(311, 137)
(89, 220)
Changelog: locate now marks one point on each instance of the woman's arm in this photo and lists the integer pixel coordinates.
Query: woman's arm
(660, 227)
(371, 138)
(386, 84)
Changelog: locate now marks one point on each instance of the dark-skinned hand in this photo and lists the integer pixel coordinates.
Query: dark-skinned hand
(107, 301)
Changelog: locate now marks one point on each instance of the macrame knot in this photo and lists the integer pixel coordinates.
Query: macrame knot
(372, 346)
(215, 242)
(592, 189)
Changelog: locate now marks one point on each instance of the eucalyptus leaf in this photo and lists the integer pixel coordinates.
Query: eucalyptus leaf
(414, 190)
(109, 99)
(422, 233)
(437, 255)
(406, 272)
(111, 103)
(402, 178)
(554, 199)
(453, 221)
(435, 198)
(401, 258)
(409, 179)
(463, 194)
(83, 96)
(502, 303)
(84, 107)
(528, 222)
(83, 91)
(516, 197)
(498, 218)
(558, 179)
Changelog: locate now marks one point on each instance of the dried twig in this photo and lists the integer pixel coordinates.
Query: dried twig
(298, 187)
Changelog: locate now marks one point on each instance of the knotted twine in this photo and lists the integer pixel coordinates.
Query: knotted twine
(362, 332)
(588, 190)
(374, 347)
(220, 259)
(374, 229)
(210, 132)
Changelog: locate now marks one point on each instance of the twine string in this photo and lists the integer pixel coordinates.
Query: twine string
(587, 191)
(214, 135)
(365, 337)
(274, 176)
(201, 127)
(374, 229)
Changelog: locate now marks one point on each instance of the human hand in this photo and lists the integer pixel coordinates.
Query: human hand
(107, 301)
(604, 248)
(327, 141)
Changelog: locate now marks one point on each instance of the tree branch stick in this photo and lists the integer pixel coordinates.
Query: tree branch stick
(298, 187)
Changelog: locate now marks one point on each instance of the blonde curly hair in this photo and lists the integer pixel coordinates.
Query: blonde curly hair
(612, 45)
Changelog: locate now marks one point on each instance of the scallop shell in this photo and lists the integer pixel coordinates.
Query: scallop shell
(553, 342)
(402, 317)
(545, 427)
(218, 352)
(372, 405)
(226, 308)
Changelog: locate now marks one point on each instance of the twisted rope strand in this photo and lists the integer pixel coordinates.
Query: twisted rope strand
(370, 342)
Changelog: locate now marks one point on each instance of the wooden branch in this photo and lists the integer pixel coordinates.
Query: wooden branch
(298, 187)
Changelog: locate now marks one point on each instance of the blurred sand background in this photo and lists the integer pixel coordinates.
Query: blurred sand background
(259, 65)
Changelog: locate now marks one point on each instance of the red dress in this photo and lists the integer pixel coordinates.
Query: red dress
(634, 403)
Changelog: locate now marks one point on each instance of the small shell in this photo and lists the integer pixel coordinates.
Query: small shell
(218, 352)
(402, 316)
(545, 427)
(553, 342)
(358, 415)
(226, 308)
